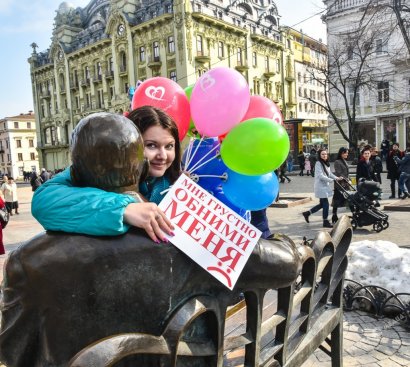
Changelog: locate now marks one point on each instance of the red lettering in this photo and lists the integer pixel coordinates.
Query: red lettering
(203, 212)
(242, 243)
(172, 208)
(192, 204)
(194, 228)
(210, 241)
(184, 194)
(235, 257)
(215, 222)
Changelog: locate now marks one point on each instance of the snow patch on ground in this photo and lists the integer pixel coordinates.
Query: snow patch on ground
(380, 263)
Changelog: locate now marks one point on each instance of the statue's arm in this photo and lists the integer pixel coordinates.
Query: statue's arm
(19, 321)
(60, 206)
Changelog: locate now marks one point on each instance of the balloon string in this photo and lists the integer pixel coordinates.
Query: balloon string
(193, 169)
(221, 176)
(198, 165)
(188, 153)
(193, 155)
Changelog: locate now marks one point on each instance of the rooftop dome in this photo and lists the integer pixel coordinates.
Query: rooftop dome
(65, 7)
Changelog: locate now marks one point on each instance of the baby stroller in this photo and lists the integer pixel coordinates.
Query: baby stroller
(362, 203)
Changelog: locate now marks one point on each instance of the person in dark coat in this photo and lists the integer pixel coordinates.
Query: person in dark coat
(364, 168)
(404, 179)
(341, 169)
(301, 162)
(393, 173)
(377, 164)
(313, 159)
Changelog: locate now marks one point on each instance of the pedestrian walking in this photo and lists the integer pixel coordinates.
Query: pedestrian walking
(308, 166)
(9, 191)
(282, 173)
(35, 181)
(376, 163)
(393, 169)
(313, 157)
(364, 169)
(341, 169)
(404, 178)
(45, 176)
(301, 162)
(2, 249)
(323, 178)
(289, 162)
(385, 147)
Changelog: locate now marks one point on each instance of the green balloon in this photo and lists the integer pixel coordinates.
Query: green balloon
(188, 91)
(255, 147)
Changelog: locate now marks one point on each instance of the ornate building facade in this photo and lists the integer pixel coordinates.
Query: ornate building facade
(18, 143)
(309, 55)
(368, 52)
(99, 51)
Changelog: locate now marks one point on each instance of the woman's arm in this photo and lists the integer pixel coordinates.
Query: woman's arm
(321, 175)
(60, 206)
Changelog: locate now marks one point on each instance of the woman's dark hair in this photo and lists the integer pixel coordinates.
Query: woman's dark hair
(147, 116)
(319, 157)
(342, 150)
(365, 149)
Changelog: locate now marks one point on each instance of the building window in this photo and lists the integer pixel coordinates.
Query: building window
(111, 65)
(18, 143)
(350, 95)
(99, 70)
(16, 124)
(32, 156)
(155, 48)
(8, 157)
(381, 47)
(142, 54)
(87, 73)
(169, 8)
(171, 44)
(383, 91)
(239, 56)
(199, 48)
(19, 156)
(88, 100)
(254, 59)
(173, 75)
(31, 143)
(28, 125)
(198, 8)
(100, 98)
(123, 61)
(267, 63)
(221, 49)
(278, 66)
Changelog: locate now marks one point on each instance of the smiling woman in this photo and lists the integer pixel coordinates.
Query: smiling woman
(54, 202)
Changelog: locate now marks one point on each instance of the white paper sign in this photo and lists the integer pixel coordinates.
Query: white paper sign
(209, 232)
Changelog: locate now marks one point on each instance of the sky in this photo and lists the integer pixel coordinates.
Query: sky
(23, 22)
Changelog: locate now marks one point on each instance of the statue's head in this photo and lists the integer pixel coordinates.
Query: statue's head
(107, 152)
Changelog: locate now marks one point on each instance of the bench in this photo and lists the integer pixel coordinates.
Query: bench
(308, 315)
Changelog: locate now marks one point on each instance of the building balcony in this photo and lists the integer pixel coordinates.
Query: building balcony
(123, 69)
(85, 82)
(97, 78)
(109, 74)
(62, 90)
(45, 95)
(291, 102)
(268, 73)
(290, 77)
(154, 63)
(73, 84)
(242, 66)
(202, 57)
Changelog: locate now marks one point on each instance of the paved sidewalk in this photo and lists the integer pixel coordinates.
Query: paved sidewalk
(367, 341)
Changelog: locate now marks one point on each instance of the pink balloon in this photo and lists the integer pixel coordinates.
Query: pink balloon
(219, 100)
(167, 95)
(260, 106)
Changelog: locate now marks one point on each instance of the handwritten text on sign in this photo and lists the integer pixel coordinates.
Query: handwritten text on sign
(209, 232)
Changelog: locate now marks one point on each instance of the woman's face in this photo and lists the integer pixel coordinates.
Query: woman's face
(323, 155)
(345, 154)
(159, 149)
(366, 155)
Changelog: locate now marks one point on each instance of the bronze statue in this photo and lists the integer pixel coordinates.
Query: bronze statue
(62, 291)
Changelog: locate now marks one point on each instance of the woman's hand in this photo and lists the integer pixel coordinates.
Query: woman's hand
(150, 218)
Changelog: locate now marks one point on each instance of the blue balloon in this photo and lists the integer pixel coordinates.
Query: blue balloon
(214, 167)
(219, 194)
(251, 192)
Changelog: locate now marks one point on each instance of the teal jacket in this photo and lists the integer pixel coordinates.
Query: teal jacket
(60, 206)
